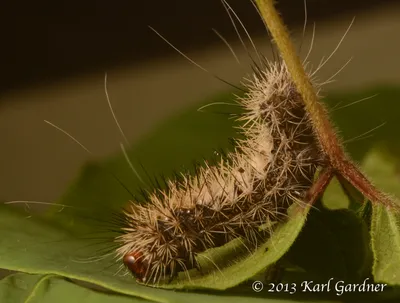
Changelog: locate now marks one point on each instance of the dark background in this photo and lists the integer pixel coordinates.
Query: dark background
(43, 41)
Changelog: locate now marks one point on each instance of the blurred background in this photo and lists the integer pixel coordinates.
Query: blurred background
(54, 56)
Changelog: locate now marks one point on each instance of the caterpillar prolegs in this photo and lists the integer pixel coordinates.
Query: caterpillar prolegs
(270, 169)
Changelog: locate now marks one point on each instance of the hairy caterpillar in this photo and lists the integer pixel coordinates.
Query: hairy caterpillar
(270, 169)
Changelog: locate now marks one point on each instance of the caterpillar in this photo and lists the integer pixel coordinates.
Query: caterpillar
(269, 170)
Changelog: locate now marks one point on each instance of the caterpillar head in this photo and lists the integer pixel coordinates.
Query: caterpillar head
(157, 247)
(136, 265)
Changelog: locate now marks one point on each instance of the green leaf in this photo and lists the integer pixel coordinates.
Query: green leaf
(333, 244)
(334, 196)
(42, 249)
(385, 234)
(22, 287)
(385, 223)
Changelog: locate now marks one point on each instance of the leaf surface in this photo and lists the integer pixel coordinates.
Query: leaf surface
(385, 223)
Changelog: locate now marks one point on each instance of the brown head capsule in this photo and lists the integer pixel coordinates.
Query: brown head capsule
(133, 261)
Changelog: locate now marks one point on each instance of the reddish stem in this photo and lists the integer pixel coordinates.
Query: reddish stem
(353, 175)
(319, 186)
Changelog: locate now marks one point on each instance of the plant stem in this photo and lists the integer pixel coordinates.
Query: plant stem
(326, 134)
(329, 142)
(319, 186)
